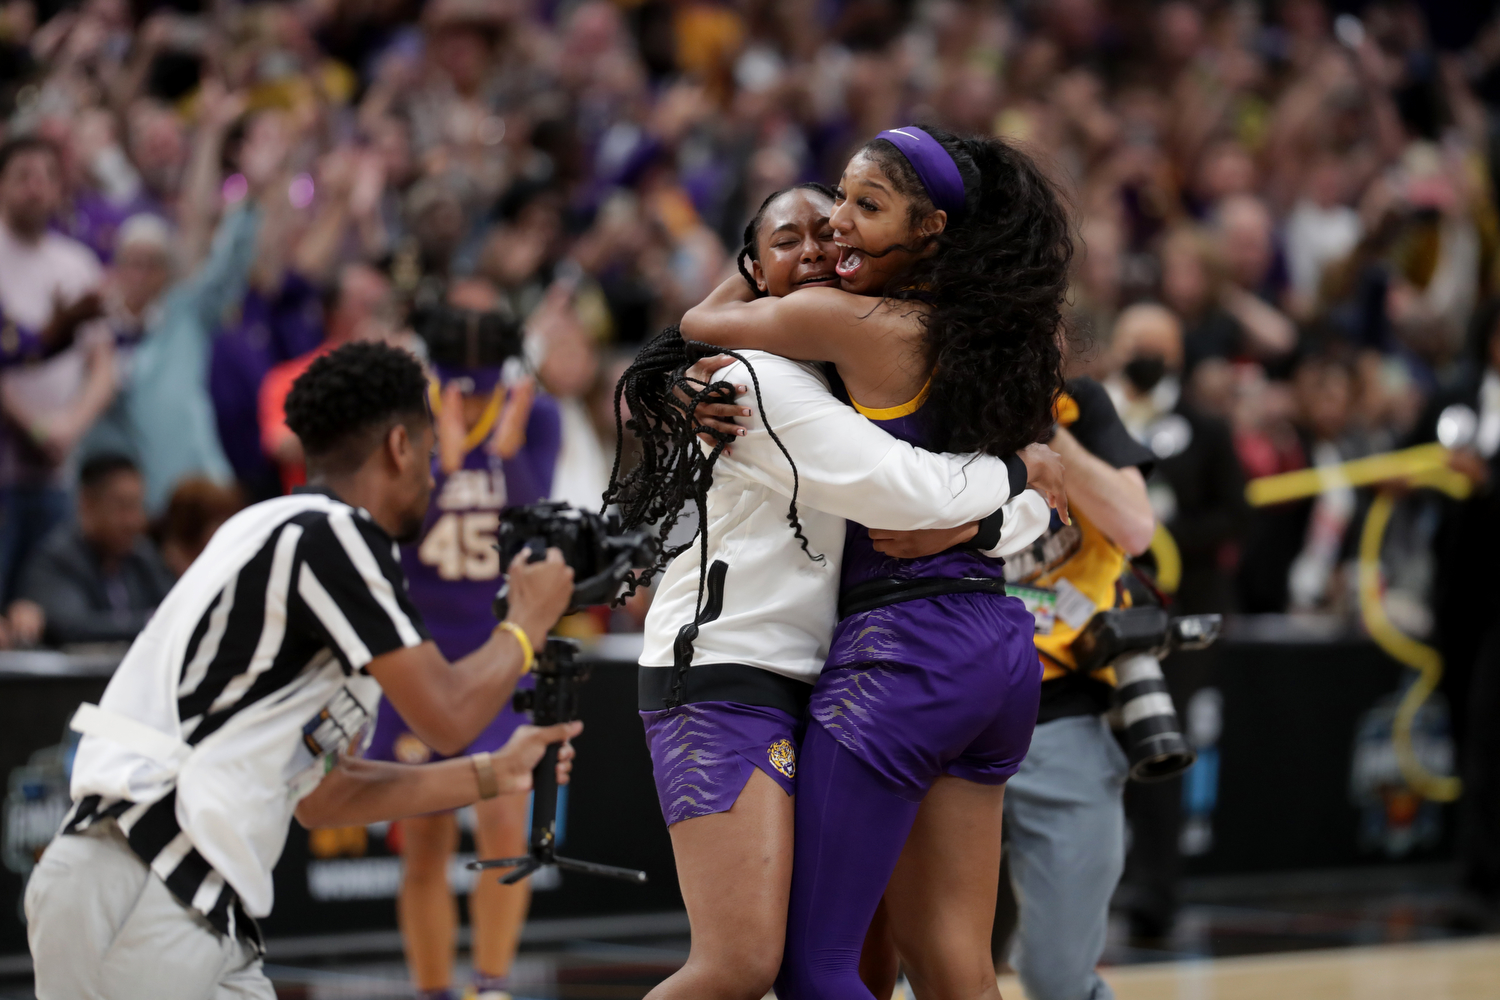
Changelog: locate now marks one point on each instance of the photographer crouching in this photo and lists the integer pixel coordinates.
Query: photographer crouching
(249, 698)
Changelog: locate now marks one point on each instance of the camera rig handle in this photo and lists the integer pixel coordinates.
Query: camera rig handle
(559, 680)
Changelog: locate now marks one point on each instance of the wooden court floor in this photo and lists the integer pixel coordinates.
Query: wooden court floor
(1435, 970)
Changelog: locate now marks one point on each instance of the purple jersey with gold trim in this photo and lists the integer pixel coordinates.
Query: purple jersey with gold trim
(454, 569)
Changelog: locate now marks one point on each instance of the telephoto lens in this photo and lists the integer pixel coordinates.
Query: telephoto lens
(1133, 641)
(1154, 743)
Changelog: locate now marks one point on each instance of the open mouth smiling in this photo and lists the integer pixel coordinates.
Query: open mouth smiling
(851, 259)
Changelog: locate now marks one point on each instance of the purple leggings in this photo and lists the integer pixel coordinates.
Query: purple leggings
(850, 831)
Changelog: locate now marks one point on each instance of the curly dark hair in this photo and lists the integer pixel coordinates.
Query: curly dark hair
(751, 247)
(348, 396)
(995, 285)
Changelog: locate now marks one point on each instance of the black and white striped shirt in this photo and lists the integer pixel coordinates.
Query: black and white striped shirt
(252, 670)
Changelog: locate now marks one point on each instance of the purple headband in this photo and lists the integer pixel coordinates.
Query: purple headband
(934, 166)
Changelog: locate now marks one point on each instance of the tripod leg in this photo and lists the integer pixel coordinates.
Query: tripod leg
(529, 866)
(475, 866)
(592, 868)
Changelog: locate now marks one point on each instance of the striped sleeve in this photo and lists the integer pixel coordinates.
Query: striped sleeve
(354, 590)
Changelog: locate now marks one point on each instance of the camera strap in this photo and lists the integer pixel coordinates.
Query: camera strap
(874, 594)
(682, 647)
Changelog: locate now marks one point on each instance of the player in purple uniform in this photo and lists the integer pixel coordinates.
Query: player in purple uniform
(930, 692)
(497, 446)
(724, 749)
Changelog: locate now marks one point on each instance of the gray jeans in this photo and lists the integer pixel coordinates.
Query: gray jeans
(102, 926)
(1065, 820)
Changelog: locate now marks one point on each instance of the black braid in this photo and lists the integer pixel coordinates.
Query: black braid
(673, 470)
(751, 247)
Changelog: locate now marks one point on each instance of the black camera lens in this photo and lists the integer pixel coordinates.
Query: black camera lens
(1154, 743)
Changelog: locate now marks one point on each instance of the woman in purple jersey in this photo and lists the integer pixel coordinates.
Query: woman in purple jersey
(724, 749)
(929, 696)
(497, 447)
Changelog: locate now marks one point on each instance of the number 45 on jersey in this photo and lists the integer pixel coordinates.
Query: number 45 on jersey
(462, 546)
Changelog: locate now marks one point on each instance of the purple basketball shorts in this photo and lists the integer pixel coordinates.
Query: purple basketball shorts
(702, 754)
(943, 685)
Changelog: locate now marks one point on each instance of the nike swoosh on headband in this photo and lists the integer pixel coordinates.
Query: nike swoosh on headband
(933, 164)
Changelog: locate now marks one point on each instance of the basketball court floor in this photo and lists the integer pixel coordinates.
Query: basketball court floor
(1467, 969)
(1334, 936)
(1428, 970)
(1378, 934)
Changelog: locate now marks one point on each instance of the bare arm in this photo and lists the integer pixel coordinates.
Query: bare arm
(1113, 499)
(816, 324)
(367, 791)
(448, 705)
(315, 255)
(319, 246)
(1269, 331)
(98, 392)
(131, 80)
(199, 205)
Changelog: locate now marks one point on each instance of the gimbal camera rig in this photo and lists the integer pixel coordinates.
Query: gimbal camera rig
(601, 555)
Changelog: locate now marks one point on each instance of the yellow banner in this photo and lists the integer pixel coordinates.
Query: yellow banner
(1424, 465)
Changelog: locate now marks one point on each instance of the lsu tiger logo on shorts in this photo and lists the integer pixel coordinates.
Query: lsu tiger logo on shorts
(783, 757)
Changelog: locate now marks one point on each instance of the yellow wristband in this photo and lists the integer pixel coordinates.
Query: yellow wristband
(528, 653)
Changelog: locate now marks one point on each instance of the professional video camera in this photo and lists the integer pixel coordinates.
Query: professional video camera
(601, 555)
(600, 552)
(1133, 641)
(463, 338)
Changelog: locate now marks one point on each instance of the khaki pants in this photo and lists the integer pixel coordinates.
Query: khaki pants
(103, 927)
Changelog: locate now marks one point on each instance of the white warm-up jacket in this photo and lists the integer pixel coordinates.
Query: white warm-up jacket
(780, 606)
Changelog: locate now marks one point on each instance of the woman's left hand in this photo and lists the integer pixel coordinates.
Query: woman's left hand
(1044, 473)
(716, 416)
(921, 542)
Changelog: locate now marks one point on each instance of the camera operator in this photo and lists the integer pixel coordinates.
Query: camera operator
(1064, 809)
(249, 697)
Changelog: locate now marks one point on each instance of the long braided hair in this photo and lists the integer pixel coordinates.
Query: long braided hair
(674, 471)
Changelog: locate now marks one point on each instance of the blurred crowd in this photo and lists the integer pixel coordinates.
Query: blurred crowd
(1286, 210)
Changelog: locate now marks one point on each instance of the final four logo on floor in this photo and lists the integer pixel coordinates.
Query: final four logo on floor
(783, 757)
(35, 804)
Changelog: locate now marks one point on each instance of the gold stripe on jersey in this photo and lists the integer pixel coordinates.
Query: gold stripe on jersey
(481, 430)
(905, 409)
